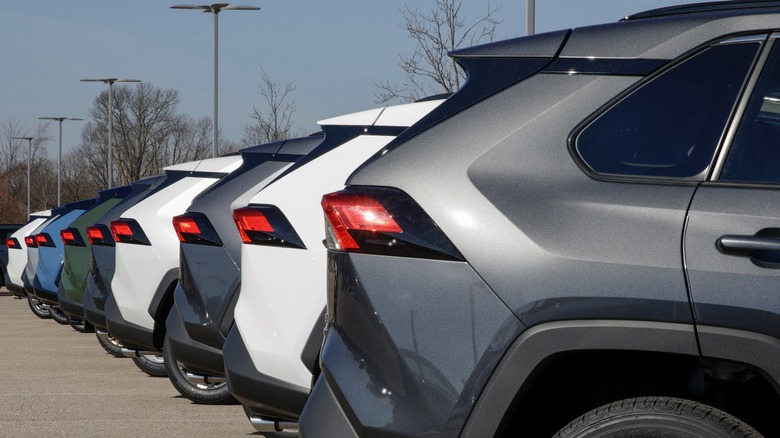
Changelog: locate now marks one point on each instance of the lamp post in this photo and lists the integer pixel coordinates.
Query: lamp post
(110, 82)
(59, 155)
(530, 17)
(215, 9)
(29, 154)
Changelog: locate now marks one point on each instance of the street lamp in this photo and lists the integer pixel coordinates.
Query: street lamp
(215, 8)
(530, 16)
(110, 82)
(59, 155)
(29, 154)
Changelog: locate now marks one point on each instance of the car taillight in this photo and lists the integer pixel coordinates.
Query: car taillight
(265, 225)
(71, 237)
(11, 242)
(30, 241)
(195, 228)
(128, 231)
(385, 222)
(43, 239)
(99, 234)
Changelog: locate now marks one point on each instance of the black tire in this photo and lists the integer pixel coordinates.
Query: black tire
(111, 345)
(151, 364)
(58, 315)
(37, 307)
(207, 394)
(657, 416)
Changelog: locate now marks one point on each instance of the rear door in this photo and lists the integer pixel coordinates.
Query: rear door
(732, 241)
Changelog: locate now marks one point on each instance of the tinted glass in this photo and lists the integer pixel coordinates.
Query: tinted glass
(755, 153)
(671, 126)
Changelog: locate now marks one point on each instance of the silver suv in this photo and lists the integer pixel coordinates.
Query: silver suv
(583, 241)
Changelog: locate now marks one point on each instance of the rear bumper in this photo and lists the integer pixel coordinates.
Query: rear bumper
(94, 301)
(72, 308)
(130, 335)
(195, 356)
(45, 295)
(410, 346)
(16, 290)
(263, 395)
(323, 416)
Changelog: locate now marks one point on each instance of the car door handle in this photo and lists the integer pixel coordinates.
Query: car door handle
(742, 245)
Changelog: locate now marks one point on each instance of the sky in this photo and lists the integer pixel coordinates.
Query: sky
(334, 53)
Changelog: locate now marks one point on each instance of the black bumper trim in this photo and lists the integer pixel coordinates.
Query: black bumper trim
(128, 334)
(195, 356)
(265, 395)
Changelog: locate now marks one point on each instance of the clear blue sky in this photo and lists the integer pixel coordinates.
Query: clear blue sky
(334, 52)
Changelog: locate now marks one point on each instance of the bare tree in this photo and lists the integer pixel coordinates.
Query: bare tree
(13, 170)
(77, 180)
(429, 69)
(275, 121)
(148, 134)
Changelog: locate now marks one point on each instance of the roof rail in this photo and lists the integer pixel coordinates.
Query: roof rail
(694, 8)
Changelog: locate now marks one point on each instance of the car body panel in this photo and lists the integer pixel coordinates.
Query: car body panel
(102, 261)
(569, 256)
(49, 267)
(17, 258)
(210, 274)
(132, 295)
(280, 306)
(76, 263)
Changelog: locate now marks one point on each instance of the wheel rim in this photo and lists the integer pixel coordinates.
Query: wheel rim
(154, 358)
(208, 386)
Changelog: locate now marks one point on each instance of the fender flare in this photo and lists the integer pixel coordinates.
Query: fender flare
(539, 344)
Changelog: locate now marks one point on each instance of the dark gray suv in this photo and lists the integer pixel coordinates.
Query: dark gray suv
(583, 241)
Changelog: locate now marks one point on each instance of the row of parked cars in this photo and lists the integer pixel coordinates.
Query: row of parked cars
(583, 241)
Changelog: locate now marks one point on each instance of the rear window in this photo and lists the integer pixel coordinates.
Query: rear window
(670, 126)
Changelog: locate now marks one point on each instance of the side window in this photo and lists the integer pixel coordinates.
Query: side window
(670, 126)
(754, 155)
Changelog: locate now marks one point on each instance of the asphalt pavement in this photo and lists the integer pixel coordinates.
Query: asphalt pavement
(59, 382)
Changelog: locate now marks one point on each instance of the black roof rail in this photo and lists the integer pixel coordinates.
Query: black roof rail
(694, 8)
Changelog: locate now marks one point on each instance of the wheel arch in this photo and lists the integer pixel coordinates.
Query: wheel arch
(161, 305)
(536, 348)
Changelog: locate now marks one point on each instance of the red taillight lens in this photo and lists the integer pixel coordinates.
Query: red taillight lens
(99, 235)
(30, 241)
(121, 230)
(71, 237)
(249, 220)
(12, 243)
(67, 237)
(356, 212)
(265, 225)
(385, 222)
(195, 228)
(43, 239)
(128, 231)
(185, 225)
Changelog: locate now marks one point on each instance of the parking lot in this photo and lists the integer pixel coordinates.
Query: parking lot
(59, 382)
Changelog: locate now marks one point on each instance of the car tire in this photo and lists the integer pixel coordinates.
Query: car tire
(111, 345)
(37, 307)
(657, 416)
(58, 315)
(151, 364)
(209, 394)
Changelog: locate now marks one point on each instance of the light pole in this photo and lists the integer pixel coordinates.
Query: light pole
(59, 155)
(110, 82)
(29, 154)
(530, 17)
(215, 8)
